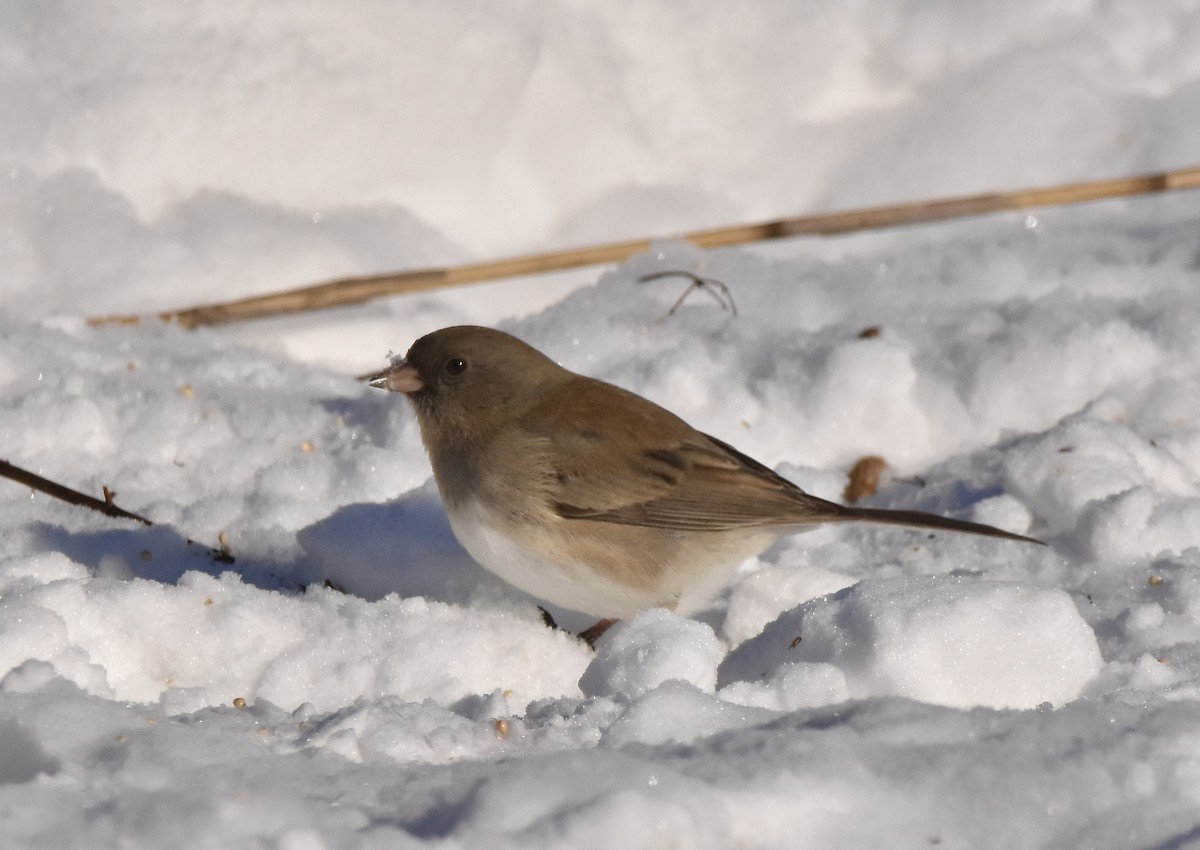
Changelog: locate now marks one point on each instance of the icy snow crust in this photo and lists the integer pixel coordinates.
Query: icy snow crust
(856, 686)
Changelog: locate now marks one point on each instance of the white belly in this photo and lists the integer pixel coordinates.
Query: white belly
(556, 580)
(544, 572)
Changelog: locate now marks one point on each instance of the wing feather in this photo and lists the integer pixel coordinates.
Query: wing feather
(647, 467)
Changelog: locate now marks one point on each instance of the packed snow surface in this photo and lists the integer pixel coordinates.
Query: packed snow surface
(353, 679)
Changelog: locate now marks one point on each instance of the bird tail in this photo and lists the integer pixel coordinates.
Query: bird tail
(920, 519)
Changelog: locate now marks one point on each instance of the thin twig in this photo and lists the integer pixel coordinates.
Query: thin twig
(716, 288)
(104, 506)
(356, 290)
(66, 494)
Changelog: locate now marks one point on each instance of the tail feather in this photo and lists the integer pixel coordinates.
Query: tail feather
(920, 519)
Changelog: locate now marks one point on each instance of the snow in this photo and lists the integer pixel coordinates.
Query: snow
(354, 680)
(953, 641)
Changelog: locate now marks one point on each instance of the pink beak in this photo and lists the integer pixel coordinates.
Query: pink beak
(400, 377)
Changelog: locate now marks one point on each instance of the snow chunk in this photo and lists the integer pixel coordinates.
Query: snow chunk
(792, 686)
(677, 712)
(951, 641)
(654, 647)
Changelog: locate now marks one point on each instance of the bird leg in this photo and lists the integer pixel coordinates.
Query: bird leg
(592, 634)
(589, 635)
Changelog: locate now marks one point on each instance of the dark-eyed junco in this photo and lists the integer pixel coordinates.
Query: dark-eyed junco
(588, 496)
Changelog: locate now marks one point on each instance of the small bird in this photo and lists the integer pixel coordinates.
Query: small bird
(588, 496)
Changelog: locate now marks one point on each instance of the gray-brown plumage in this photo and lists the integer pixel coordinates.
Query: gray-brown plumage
(589, 496)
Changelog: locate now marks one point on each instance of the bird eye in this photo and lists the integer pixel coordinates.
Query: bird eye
(456, 366)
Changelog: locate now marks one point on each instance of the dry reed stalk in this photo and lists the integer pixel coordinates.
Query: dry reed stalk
(356, 290)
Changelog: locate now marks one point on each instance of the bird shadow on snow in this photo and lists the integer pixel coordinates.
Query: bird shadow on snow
(159, 554)
(404, 546)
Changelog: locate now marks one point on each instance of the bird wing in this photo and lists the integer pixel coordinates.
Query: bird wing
(712, 490)
(616, 457)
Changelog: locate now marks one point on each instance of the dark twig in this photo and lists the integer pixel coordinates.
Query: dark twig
(104, 506)
(66, 494)
(717, 289)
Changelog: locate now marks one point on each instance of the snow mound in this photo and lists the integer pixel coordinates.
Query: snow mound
(953, 641)
(654, 647)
